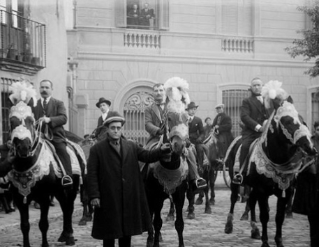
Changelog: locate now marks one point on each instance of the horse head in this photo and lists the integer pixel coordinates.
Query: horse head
(293, 131)
(23, 132)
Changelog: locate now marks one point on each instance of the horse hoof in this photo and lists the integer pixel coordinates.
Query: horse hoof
(160, 238)
(150, 242)
(228, 228)
(199, 201)
(208, 210)
(289, 215)
(255, 234)
(265, 244)
(244, 217)
(82, 222)
(191, 216)
(70, 241)
(212, 201)
(62, 238)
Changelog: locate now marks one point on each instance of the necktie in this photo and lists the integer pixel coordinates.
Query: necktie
(45, 104)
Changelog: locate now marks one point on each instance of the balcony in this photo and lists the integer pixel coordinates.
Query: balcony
(22, 44)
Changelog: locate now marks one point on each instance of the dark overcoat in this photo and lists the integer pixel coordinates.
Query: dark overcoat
(224, 136)
(116, 179)
(57, 113)
(196, 130)
(100, 128)
(252, 113)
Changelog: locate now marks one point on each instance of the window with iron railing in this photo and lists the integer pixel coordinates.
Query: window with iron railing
(22, 40)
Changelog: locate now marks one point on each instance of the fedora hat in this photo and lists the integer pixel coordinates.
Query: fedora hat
(219, 106)
(114, 116)
(191, 105)
(102, 100)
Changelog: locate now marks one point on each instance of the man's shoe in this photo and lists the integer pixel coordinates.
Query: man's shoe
(67, 181)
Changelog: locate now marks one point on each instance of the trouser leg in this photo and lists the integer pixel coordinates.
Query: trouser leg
(125, 241)
(108, 242)
(60, 148)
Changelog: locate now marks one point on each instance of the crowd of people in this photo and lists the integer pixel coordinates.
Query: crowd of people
(115, 184)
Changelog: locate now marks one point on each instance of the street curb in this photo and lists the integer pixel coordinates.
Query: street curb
(34, 222)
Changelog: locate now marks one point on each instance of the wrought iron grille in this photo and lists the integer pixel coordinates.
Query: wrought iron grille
(5, 107)
(134, 108)
(315, 107)
(233, 101)
(22, 39)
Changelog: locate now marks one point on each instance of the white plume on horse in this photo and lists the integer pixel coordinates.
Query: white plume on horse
(272, 90)
(177, 95)
(22, 91)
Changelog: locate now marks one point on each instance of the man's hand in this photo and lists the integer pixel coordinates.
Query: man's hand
(46, 119)
(95, 202)
(166, 148)
(261, 129)
(160, 132)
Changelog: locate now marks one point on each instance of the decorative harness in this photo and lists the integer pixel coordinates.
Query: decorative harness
(284, 173)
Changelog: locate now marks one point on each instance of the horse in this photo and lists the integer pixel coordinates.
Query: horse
(209, 171)
(168, 178)
(36, 174)
(274, 160)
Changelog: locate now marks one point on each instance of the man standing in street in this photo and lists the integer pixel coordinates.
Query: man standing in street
(222, 124)
(104, 105)
(53, 114)
(115, 185)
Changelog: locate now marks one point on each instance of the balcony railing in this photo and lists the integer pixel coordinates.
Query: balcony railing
(22, 41)
(141, 39)
(237, 45)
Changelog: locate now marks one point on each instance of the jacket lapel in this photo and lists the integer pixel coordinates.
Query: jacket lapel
(157, 112)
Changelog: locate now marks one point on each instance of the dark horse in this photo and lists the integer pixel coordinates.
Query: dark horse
(168, 178)
(273, 163)
(36, 175)
(209, 171)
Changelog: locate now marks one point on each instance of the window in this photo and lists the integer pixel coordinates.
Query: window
(233, 100)
(3, 4)
(314, 107)
(5, 107)
(138, 14)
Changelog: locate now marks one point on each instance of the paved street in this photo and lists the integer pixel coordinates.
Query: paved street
(204, 230)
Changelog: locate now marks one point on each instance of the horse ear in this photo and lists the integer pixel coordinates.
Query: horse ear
(290, 100)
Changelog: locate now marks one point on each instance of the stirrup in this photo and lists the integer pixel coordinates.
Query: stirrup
(200, 186)
(238, 179)
(66, 181)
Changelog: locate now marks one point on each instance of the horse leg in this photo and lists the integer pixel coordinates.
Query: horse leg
(212, 180)
(264, 218)
(280, 217)
(171, 212)
(44, 223)
(233, 199)
(191, 199)
(208, 209)
(157, 222)
(66, 199)
(24, 222)
(246, 212)
(251, 205)
(199, 199)
(289, 205)
(85, 205)
(179, 199)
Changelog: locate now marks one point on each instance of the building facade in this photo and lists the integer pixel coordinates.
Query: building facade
(33, 46)
(218, 46)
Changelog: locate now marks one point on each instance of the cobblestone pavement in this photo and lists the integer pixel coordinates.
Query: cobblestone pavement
(204, 230)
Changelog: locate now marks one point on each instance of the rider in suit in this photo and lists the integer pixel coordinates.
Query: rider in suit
(104, 105)
(154, 115)
(222, 124)
(253, 114)
(196, 136)
(53, 114)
